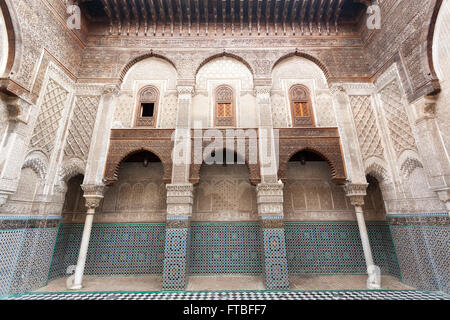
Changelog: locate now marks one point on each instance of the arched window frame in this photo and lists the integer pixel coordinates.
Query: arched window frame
(300, 94)
(224, 94)
(147, 95)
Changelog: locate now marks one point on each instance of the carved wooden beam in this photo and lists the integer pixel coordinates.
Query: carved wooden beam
(205, 8)
(188, 13)
(267, 14)
(126, 12)
(117, 14)
(171, 16)
(276, 14)
(330, 11)
(320, 14)
(303, 14)
(241, 15)
(338, 14)
(250, 16)
(197, 15)
(294, 11)
(224, 15)
(284, 14)
(258, 15)
(135, 15)
(180, 15)
(144, 15)
(232, 13)
(154, 17)
(215, 4)
(109, 13)
(312, 13)
(162, 16)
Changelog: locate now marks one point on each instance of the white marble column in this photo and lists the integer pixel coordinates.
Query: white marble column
(356, 193)
(93, 195)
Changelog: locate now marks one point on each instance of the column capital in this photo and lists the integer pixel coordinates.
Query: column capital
(111, 89)
(444, 196)
(262, 91)
(18, 109)
(93, 193)
(338, 89)
(180, 198)
(356, 192)
(185, 90)
(426, 108)
(269, 198)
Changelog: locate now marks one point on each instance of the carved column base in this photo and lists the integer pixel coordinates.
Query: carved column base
(270, 207)
(176, 254)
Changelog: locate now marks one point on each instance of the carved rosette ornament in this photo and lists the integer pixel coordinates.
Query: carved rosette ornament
(356, 193)
(93, 193)
(270, 199)
(180, 198)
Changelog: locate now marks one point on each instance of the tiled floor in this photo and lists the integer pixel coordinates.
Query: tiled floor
(349, 287)
(240, 295)
(220, 283)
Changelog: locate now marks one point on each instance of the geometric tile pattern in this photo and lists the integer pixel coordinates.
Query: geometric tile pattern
(242, 295)
(34, 260)
(9, 248)
(82, 124)
(25, 258)
(49, 117)
(176, 255)
(113, 249)
(275, 261)
(335, 248)
(221, 248)
(424, 257)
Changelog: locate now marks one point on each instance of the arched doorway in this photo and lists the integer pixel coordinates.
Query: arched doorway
(322, 236)
(127, 236)
(225, 229)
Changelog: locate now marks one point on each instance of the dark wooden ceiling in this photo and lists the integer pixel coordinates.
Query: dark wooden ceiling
(147, 15)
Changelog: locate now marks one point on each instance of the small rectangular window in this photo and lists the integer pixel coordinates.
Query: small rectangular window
(148, 110)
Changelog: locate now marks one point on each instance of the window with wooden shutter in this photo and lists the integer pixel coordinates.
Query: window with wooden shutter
(301, 106)
(224, 107)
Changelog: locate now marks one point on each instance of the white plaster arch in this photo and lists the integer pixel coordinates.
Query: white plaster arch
(4, 45)
(295, 70)
(150, 71)
(229, 71)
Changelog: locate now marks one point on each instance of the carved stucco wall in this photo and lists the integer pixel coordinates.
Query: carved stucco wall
(224, 194)
(297, 70)
(229, 71)
(151, 71)
(138, 196)
(40, 29)
(389, 117)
